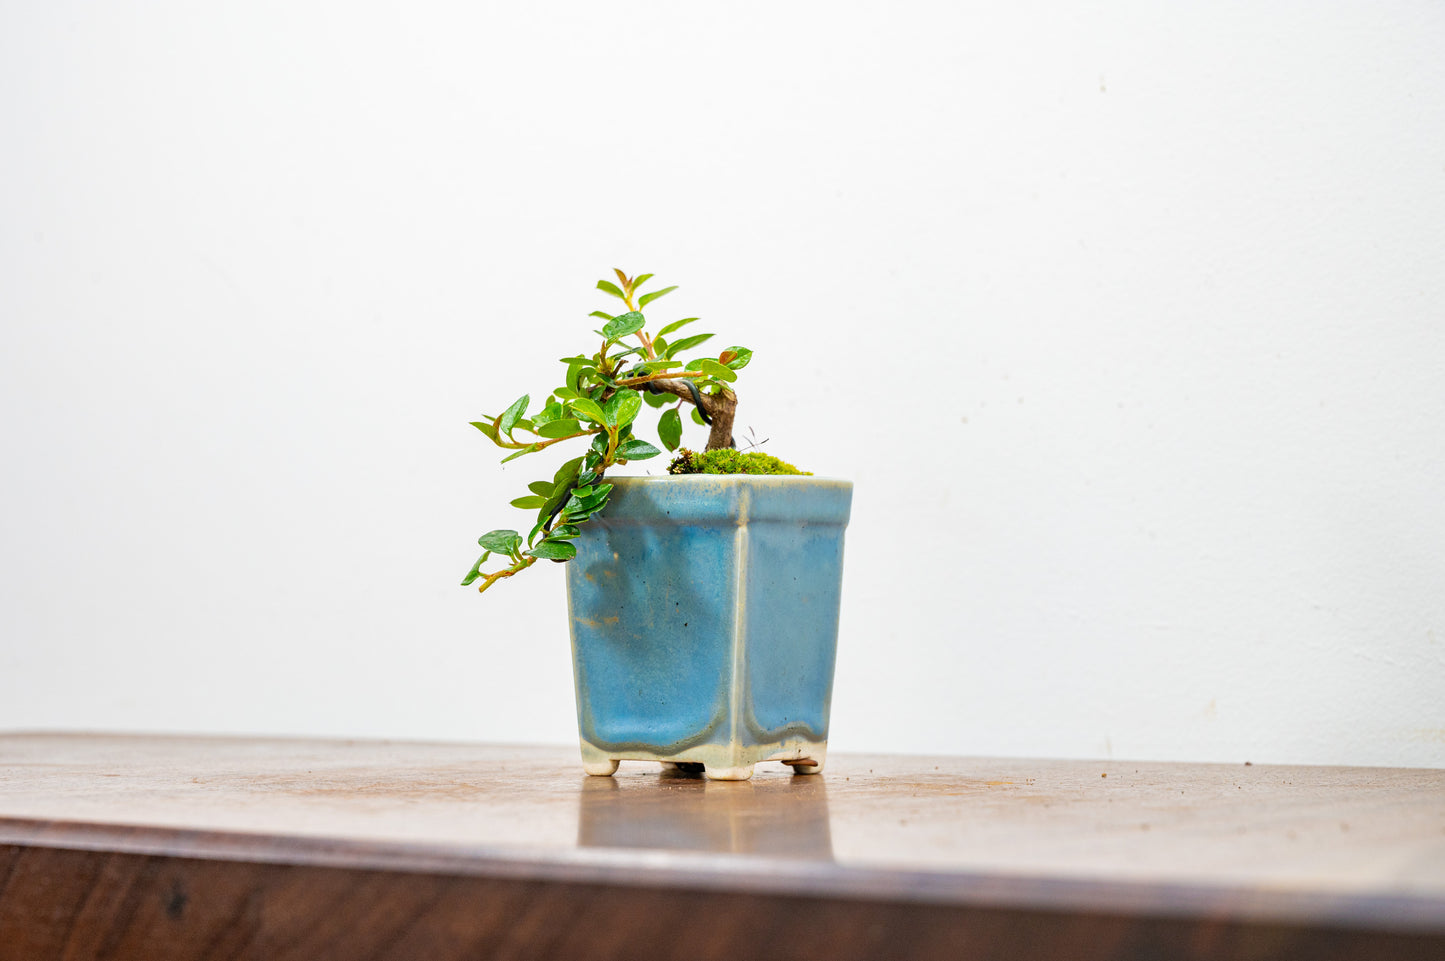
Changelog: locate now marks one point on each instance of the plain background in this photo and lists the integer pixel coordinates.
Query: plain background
(1126, 319)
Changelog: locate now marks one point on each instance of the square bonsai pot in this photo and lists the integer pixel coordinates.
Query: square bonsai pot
(704, 621)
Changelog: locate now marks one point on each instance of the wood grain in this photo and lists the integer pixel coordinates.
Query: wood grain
(160, 848)
(61, 904)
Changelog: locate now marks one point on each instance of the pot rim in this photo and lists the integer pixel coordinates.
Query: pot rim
(716, 478)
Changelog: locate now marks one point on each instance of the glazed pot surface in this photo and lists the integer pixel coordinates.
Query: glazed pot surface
(704, 618)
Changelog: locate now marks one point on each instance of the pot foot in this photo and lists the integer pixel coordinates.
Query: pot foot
(805, 765)
(605, 768)
(729, 773)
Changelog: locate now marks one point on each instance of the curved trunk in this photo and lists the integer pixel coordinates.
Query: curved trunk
(718, 408)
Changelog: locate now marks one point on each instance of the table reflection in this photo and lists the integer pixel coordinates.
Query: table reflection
(780, 816)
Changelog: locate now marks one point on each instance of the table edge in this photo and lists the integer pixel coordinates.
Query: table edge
(1393, 912)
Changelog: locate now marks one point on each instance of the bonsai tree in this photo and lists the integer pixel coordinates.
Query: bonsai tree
(597, 404)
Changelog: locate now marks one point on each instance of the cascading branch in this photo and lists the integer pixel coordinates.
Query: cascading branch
(600, 399)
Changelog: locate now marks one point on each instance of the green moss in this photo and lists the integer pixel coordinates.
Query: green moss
(728, 461)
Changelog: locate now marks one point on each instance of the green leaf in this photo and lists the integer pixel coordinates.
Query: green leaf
(624, 324)
(568, 472)
(600, 313)
(669, 429)
(618, 373)
(697, 418)
(577, 373)
(741, 360)
(560, 428)
(622, 407)
(544, 488)
(717, 371)
(588, 498)
(563, 532)
(561, 488)
(511, 414)
(576, 513)
(611, 288)
(588, 409)
(646, 299)
(501, 541)
(486, 427)
(675, 325)
(550, 550)
(476, 570)
(636, 450)
(528, 503)
(657, 400)
(687, 343)
(529, 449)
(642, 279)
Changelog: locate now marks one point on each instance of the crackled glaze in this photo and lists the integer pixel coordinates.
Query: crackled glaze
(704, 618)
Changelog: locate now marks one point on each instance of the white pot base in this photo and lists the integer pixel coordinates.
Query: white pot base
(714, 762)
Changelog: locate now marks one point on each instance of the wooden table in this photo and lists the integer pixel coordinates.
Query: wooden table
(186, 847)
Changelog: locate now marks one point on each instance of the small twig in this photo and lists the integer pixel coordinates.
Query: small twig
(489, 579)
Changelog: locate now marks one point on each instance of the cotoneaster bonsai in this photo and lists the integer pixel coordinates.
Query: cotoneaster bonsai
(703, 603)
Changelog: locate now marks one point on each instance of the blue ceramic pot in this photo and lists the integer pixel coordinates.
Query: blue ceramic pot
(704, 612)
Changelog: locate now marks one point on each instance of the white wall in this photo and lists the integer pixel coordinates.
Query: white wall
(1126, 319)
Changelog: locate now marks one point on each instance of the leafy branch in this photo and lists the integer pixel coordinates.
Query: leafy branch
(598, 399)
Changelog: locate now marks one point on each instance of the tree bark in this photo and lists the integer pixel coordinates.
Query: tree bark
(724, 407)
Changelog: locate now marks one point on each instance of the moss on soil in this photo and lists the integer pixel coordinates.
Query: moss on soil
(728, 461)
